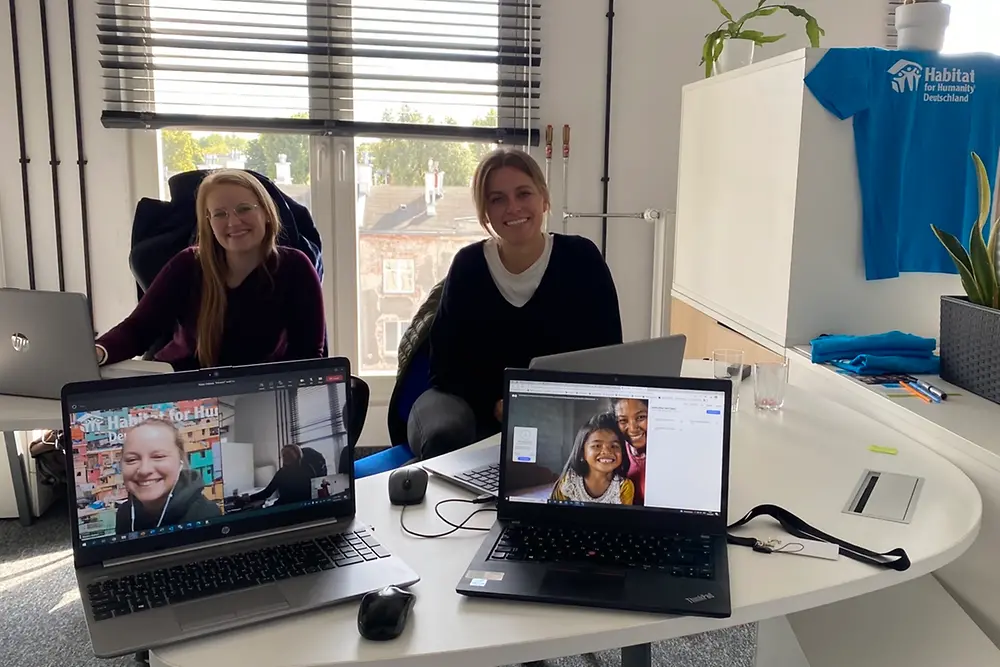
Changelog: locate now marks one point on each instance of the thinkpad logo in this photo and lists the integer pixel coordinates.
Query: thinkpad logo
(20, 342)
(906, 75)
(700, 598)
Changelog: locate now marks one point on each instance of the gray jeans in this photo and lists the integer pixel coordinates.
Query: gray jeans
(440, 423)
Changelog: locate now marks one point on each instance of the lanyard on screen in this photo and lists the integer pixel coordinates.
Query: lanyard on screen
(796, 527)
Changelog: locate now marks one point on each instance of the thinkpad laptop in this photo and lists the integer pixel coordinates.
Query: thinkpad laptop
(46, 340)
(587, 518)
(209, 500)
(478, 470)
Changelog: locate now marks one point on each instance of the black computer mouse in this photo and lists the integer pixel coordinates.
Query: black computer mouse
(407, 486)
(382, 615)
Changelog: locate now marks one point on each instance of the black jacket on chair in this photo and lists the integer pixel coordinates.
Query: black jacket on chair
(161, 229)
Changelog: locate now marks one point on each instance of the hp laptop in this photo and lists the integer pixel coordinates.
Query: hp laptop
(46, 340)
(478, 470)
(585, 517)
(211, 499)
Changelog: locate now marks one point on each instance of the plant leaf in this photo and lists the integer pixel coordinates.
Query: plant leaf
(751, 35)
(768, 39)
(962, 262)
(722, 9)
(767, 11)
(760, 3)
(982, 265)
(708, 51)
(983, 183)
(813, 29)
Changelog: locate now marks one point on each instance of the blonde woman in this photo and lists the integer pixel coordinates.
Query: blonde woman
(233, 299)
(519, 294)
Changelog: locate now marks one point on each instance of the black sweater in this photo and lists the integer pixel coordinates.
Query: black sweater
(477, 333)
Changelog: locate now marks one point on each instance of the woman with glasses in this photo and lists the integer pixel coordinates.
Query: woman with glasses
(235, 298)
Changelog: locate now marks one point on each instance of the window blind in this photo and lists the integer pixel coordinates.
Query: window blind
(447, 69)
(890, 25)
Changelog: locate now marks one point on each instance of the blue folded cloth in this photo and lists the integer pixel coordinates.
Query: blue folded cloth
(885, 345)
(871, 364)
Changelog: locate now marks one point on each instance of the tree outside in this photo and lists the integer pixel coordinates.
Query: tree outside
(183, 152)
(404, 161)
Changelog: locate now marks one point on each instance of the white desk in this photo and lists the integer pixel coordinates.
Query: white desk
(807, 459)
(965, 430)
(29, 414)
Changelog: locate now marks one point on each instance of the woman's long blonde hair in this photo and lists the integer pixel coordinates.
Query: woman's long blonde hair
(212, 257)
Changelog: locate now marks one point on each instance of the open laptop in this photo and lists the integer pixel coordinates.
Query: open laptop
(581, 522)
(211, 499)
(46, 340)
(478, 470)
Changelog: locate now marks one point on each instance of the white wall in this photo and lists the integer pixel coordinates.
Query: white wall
(111, 195)
(657, 48)
(256, 421)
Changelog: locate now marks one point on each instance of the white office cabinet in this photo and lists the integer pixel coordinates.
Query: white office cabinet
(768, 228)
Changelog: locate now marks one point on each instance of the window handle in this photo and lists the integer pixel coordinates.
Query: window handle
(320, 162)
(342, 165)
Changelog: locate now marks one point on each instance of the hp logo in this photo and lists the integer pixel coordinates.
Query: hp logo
(20, 342)
(225, 530)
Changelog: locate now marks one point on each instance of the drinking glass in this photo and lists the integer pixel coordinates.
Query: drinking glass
(729, 366)
(769, 381)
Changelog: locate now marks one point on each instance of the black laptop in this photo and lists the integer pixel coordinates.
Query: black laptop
(613, 493)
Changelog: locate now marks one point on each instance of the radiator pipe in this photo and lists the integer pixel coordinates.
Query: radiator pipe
(81, 160)
(24, 159)
(606, 177)
(53, 157)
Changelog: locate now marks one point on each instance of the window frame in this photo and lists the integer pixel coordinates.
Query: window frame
(333, 209)
(401, 329)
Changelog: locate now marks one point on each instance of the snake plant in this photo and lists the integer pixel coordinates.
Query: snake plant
(979, 266)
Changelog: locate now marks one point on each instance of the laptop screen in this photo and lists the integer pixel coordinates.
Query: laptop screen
(596, 444)
(185, 455)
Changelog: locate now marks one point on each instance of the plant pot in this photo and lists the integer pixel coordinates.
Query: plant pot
(736, 53)
(970, 346)
(922, 26)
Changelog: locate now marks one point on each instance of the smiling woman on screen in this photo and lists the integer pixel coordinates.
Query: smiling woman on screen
(235, 298)
(162, 489)
(521, 293)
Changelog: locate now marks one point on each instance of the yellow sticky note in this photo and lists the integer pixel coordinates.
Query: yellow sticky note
(883, 450)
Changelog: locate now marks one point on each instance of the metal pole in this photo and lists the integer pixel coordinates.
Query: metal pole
(24, 159)
(650, 214)
(53, 156)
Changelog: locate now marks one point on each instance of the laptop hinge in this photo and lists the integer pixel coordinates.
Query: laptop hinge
(138, 558)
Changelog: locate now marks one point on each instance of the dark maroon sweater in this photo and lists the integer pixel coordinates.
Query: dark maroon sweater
(275, 314)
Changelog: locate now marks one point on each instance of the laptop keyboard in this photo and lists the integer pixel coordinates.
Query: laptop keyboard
(486, 478)
(680, 555)
(182, 583)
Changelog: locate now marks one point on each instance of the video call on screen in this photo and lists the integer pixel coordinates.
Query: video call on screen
(592, 445)
(158, 468)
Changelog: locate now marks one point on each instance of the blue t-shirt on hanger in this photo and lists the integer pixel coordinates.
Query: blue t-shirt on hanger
(918, 116)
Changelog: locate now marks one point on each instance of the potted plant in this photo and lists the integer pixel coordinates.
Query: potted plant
(970, 325)
(921, 25)
(731, 45)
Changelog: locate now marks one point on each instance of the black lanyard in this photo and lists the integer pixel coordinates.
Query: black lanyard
(796, 527)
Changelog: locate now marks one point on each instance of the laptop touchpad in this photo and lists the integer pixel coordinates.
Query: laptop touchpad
(226, 609)
(572, 583)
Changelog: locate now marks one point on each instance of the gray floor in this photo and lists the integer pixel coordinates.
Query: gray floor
(41, 623)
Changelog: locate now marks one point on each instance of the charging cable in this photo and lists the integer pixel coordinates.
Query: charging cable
(454, 526)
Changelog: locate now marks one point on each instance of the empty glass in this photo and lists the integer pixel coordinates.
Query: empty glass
(769, 381)
(728, 365)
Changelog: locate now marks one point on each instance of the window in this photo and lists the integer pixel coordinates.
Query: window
(392, 335)
(397, 276)
(284, 158)
(372, 113)
(970, 29)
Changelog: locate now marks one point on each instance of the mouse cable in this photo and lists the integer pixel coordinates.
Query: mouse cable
(454, 526)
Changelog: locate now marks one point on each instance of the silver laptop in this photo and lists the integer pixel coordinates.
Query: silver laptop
(209, 500)
(46, 340)
(478, 470)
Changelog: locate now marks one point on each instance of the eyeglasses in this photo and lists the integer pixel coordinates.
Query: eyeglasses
(241, 210)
